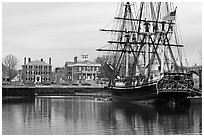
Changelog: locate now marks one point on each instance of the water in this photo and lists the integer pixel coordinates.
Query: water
(77, 115)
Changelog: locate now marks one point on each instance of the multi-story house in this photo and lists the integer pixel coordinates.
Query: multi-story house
(83, 71)
(36, 71)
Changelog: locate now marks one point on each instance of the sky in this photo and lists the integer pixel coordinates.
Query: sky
(62, 30)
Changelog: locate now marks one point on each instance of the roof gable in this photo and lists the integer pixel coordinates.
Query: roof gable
(82, 63)
(37, 63)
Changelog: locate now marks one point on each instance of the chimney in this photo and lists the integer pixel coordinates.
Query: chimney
(24, 60)
(29, 60)
(49, 61)
(41, 60)
(75, 59)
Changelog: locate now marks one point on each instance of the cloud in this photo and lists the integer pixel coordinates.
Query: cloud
(63, 30)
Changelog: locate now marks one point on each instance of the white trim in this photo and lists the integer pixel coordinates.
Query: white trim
(135, 86)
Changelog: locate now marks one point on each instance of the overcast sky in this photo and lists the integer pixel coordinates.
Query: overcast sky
(64, 30)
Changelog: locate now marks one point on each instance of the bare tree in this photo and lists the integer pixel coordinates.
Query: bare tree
(10, 62)
(102, 60)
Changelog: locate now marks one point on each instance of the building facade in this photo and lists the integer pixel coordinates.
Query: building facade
(83, 71)
(35, 72)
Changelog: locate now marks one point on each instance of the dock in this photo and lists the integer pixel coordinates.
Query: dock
(18, 92)
(53, 90)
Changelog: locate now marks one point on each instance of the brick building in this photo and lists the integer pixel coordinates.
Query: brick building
(82, 71)
(36, 71)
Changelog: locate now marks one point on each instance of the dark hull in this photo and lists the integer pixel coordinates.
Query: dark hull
(138, 93)
(146, 94)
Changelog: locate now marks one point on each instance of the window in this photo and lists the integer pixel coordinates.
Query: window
(79, 76)
(69, 77)
(32, 78)
(27, 78)
(96, 68)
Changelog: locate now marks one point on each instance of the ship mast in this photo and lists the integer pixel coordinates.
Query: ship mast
(127, 57)
(123, 43)
(143, 41)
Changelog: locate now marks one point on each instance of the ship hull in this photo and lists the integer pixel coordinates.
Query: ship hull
(144, 94)
(147, 94)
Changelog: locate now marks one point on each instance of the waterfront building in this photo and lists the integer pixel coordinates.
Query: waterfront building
(195, 68)
(36, 71)
(82, 71)
(197, 71)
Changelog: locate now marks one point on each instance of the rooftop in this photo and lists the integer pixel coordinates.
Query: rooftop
(82, 63)
(37, 63)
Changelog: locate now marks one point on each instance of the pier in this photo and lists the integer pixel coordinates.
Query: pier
(18, 91)
(53, 90)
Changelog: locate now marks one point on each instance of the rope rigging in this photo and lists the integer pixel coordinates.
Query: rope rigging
(142, 35)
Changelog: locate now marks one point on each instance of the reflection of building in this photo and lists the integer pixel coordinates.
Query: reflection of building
(36, 71)
(82, 71)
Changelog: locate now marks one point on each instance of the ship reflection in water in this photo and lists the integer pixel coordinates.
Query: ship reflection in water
(76, 115)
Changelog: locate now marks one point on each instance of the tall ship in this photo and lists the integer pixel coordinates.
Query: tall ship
(143, 60)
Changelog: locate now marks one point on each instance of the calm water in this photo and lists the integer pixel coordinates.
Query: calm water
(77, 115)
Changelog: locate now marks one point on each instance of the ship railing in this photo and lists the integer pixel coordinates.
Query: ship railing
(178, 88)
(192, 90)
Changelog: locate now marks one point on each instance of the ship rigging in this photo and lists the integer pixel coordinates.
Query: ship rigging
(145, 52)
